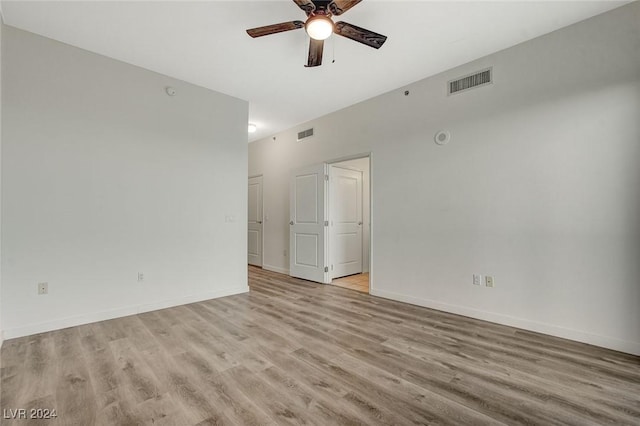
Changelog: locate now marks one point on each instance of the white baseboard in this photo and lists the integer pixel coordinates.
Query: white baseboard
(276, 269)
(117, 313)
(544, 328)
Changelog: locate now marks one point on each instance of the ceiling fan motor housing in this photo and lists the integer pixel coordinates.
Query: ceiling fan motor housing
(319, 26)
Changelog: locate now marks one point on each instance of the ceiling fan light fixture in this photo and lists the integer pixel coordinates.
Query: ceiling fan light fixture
(319, 27)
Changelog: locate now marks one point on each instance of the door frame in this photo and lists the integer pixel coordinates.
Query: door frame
(262, 200)
(368, 155)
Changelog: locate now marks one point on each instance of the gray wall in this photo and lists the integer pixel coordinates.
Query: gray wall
(105, 176)
(1, 30)
(538, 187)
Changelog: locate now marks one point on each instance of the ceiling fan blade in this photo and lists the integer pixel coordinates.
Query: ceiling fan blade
(338, 7)
(306, 5)
(360, 35)
(315, 53)
(275, 28)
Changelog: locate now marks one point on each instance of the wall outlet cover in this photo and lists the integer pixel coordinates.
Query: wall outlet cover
(488, 281)
(43, 288)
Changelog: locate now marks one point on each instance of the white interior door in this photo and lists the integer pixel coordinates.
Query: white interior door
(254, 233)
(346, 222)
(307, 227)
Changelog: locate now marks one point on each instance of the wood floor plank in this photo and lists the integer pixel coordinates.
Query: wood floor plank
(92, 338)
(448, 411)
(323, 410)
(39, 380)
(135, 373)
(225, 398)
(545, 376)
(296, 352)
(183, 388)
(404, 410)
(116, 407)
(74, 395)
(104, 370)
(279, 407)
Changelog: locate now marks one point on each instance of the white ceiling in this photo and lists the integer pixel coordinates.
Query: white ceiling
(204, 42)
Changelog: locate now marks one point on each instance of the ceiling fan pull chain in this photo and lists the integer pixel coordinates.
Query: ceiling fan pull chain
(333, 49)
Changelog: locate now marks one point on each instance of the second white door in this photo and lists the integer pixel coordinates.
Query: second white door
(345, 221)
(254, 232)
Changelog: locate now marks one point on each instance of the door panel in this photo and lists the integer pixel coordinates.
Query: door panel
(306, 250)
(253, 243)
(346, 221)
(307, 228)
(254, 233)
(306, 199)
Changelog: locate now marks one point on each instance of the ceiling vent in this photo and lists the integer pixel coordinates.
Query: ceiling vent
(305, 134)
(467, 82)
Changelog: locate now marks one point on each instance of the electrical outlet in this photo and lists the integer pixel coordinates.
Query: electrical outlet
(140, 276)
(43, 288)
(477, 279)
(488, 281)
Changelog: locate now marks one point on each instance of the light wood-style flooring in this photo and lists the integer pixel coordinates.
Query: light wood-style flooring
(295, 352)
(357, 282)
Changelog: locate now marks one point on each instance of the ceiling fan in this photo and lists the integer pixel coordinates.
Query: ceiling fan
(320, 26)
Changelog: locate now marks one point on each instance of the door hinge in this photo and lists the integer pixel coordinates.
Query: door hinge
(326, 269)
(326, 223)
(326, 177)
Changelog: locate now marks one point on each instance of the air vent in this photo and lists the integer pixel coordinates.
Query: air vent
(305, 134)
(477, 79)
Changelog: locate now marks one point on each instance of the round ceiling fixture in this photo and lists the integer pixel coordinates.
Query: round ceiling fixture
(252, 128)
(170, 91)
(319, 27)
(442, 137)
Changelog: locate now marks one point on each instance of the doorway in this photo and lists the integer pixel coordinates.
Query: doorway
(329, 226)
(349, 223)
(255, 229)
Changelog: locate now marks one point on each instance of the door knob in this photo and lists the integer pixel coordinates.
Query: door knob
(359, 223)
(260, 222)
(291, 223)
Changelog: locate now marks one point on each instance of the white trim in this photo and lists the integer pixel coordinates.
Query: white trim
(117, 313)
(351, 157)
(1, 21)
(544, 328)
(276, 269)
